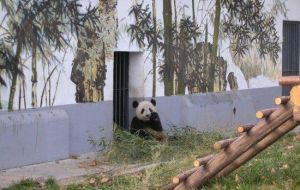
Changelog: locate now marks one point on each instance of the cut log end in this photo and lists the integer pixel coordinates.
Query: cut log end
(278, 101)
(175, 180)
(264, 113)
(244, 128)
(282, 100)
(240, 129)
(223, 144)
(259, 114)
(217, 146)
(181, 177)
(203, 160)
(197, 163)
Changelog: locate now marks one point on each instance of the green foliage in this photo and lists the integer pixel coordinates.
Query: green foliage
(51, 184)
(247, 22)
(128, 148)
(26, 184)
(143, 30)
(275, 168)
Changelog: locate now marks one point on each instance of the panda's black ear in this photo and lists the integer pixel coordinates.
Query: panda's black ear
(135, 104)
(153, 102)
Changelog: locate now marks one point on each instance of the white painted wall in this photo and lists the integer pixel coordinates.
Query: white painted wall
(140, 60)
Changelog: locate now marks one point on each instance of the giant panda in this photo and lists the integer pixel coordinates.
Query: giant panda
(146, 122)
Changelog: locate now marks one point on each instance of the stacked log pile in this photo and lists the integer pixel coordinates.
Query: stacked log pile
(232, 153)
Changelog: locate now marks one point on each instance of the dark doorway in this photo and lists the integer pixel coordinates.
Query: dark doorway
(120, 91)
(290, 51)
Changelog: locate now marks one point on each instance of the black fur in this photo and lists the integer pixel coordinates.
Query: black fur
(139, 127)
(135, 104)
(153, 102)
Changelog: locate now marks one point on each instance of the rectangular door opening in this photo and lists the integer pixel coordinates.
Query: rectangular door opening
(120, 89)
(290, 51)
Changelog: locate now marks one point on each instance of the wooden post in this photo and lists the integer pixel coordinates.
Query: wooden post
(181, 177)
(260, 146)
(223, 144)
(295, 98)
(202, 161)
(289, 80)
(237, 148)
(282, 100)
(244, 128)
(264, 113)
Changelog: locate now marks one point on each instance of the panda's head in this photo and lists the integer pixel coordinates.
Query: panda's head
(144, 109)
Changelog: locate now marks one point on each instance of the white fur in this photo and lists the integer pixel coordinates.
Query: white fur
(146, 105)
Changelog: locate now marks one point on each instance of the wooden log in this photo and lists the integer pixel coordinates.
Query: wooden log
(295, 95)
(282, 100)
(296, 113)
(289, 80)
(264, 113)
(181, 177)
(260, 146)
(223, 143)
(202, 161)
(169, 186)
(237, 148)
(244, 128)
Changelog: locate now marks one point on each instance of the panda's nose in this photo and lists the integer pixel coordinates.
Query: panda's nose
(148, 115)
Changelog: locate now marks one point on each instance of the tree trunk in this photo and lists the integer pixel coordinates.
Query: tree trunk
(168, 38)
(0, 99)
(93, 50)
(205, 71)
(24, 93)
(183, 56)
(175, 53)
(211, 77)
(194, 19)
(34, 76)
(154, 49)
(20, 93)
(14, 76)
(49, 89)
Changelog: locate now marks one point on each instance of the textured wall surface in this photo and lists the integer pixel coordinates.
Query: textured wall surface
(34, 137)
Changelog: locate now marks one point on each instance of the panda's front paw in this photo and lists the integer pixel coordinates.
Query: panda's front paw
(154, 116)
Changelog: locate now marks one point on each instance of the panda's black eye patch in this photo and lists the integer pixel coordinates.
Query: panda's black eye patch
(150, 110)
(142, 110)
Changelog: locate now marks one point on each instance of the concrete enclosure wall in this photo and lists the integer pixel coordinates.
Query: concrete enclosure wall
(48, 134)
(214, 111)
(28, 138)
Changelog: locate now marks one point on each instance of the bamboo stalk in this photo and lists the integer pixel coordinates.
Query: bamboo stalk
(244, 128)
(202, 161)
(282, 100)
(237, 148)
(260, 146)
(289, 80)
(264, 113)
(181, 177)
(223, 143)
